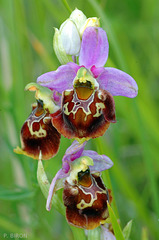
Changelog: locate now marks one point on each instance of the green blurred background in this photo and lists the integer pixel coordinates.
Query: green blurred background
(26, 32)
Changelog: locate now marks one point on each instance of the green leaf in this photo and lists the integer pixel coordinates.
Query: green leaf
(144, 234)
(127, 230)
(115, 224)
(45, 185)
(67, 6)
(16, 194)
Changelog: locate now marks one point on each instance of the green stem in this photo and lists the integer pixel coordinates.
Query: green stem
(94, 234)
(78, 233)
(67, 5)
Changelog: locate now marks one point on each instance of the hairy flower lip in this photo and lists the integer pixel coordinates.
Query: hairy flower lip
(84, 115)
(86, 206)
(38, 136)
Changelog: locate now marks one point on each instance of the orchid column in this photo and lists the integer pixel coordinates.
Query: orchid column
(76, 101)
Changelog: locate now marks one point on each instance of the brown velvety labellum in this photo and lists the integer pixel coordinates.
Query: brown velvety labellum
(38, 135)
(88, 118)
(86, 207)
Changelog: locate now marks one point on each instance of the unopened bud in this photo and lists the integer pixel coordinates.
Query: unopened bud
(90, 22)
(59, 49)
(70, 37)
(67, 40)
(79, 18)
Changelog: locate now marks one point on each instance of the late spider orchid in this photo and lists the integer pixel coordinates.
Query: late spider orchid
(87, 89)
(38, 136)
(85, 195)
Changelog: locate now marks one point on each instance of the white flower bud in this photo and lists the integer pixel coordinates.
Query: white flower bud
(79, 18)
(70, 37)
(59, 49)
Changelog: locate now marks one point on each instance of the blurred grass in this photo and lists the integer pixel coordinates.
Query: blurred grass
(26, 29)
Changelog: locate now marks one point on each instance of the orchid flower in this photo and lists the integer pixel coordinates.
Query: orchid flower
(85, 195)
(38, 136)
(87, 105)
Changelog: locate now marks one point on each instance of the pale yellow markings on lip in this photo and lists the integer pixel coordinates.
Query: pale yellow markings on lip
(82, 203)
(40, 133)
(98, 107)
(74, 112)
(65, 108)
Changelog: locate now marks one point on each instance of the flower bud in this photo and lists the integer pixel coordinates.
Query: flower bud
(67, 40)
(70, 37)
(90, 22)
(59, 49)
(79, 18)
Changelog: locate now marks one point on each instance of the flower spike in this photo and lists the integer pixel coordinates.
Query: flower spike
(76, 101)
